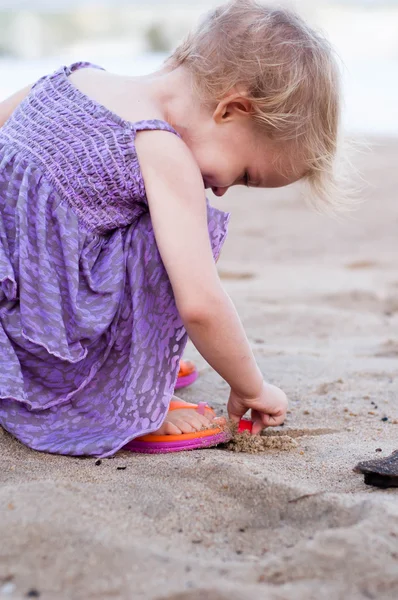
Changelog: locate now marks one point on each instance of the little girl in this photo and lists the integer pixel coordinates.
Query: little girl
(107, 243)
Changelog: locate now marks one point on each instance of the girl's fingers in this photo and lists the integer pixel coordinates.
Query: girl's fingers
(260, 417)
(261, 420)
(234, 418)
(274, 421)
(235, 414)
(257, 427)
(264, 421)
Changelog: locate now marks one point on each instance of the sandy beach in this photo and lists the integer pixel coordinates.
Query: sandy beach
(319, 300)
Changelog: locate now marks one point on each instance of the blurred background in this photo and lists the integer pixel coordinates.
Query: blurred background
(134, 36)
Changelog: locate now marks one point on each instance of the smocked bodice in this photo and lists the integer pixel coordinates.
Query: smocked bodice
(86, 152)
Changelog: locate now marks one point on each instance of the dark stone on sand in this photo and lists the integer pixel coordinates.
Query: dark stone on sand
(382, 472)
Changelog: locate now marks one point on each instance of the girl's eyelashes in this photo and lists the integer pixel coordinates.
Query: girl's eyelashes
(246, 179)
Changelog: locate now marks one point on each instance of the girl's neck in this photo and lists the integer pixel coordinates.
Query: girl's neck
(172, 92)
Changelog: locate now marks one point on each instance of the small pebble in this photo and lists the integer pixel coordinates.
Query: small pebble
(384, 419)
(98, 462)
(121, 468)
(33, 593)
(378, 450)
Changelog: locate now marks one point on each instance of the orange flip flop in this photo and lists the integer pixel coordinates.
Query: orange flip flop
(160, 444)
(187, 375)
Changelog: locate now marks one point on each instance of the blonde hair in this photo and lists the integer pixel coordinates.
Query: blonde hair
(288, 72)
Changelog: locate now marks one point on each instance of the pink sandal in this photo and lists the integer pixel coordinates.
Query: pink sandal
(187, 375)
(160, 444)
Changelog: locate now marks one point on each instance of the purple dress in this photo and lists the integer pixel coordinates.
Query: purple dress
(90, 336)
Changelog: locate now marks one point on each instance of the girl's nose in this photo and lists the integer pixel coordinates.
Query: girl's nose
(219, 191)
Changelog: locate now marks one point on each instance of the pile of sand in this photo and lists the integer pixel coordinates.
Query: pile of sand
(254, 444)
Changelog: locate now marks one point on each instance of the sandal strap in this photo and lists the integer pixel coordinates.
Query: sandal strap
(200, 408)
(186, 368)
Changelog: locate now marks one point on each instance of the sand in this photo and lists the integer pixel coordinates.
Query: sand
(319, 300)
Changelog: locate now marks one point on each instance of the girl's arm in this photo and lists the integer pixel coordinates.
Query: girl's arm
(8, 106)
(177, 204)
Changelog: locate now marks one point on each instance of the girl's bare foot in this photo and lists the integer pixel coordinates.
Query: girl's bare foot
(184, 421)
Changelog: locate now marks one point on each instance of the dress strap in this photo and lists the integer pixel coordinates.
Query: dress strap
(153, 124)
(62, 71)
(82, 65)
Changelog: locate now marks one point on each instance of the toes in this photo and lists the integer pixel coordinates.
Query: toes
(209, 414)
(170, 429)
(185, 426)
(197, 421)
(187, 421)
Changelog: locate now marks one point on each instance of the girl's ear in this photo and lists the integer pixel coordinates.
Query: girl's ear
(232, 107)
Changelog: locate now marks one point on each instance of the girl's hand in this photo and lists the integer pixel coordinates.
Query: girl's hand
(268, 409)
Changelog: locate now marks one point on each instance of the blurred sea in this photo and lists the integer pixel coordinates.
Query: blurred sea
(370, 87)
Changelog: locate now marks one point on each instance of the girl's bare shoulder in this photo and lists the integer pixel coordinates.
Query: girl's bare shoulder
(125, 96)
